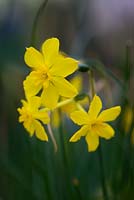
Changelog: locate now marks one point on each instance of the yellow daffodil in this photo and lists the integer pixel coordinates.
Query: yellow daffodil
(72, 105)
(49, 69)
(32, 117)
(94, 123)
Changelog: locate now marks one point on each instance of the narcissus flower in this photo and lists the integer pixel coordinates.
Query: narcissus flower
(49, 69)
(72, 105)
(32, 117)
(94, 123)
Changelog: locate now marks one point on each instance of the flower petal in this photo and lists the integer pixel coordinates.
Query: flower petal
(104, 130)
(50, 96)
(32, 84)
(42, 116)
(80, 117)
(40, 131)
(95, 107)
(109, 114)
(64, 88)
(50, 49)
(92, 140)
(77, 82)
(81, 132)
(29, 126)
(64, 67)
(33, 58)
(34, 102)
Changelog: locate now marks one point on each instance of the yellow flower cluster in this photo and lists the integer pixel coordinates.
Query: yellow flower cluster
(49, 70)
(46, 88)
(45, 84)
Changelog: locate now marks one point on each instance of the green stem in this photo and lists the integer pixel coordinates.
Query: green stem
(62, 142)
(35, 23)
(65, 102)
(103, 179)
(52, 137)
(92, 87)
(64, 158)
(80, 107)
(59, 105)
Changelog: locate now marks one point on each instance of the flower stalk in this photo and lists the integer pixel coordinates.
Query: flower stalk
(36, 20)
(92, 87)
(102, 172)
(100, 154)
(52, 138)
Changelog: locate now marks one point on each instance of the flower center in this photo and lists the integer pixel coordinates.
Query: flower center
(27, 115)
(44, 76)
(95, 123)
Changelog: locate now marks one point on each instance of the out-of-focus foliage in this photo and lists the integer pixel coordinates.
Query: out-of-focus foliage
(103, 37)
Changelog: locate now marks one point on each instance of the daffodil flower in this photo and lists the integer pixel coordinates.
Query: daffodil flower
(32, 117)
(49, 69)
(94, 123)
(72, 105)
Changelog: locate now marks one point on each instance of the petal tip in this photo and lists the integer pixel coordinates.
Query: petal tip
(72, 139)
(28, 48)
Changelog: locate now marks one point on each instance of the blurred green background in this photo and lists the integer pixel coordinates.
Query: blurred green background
(100, 33)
